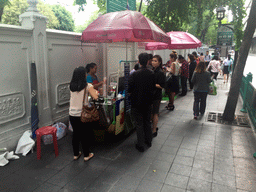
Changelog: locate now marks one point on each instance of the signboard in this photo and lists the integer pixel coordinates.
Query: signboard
(225, 38)
(225, 35)
(120, 5)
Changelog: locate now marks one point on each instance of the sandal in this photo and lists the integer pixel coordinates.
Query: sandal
(91, 155)
(170, 107)
(77, 157)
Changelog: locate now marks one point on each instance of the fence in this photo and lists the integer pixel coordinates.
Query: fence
(246, 91)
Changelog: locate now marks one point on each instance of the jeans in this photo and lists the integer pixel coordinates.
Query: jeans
(183, 85)
(199, 102)
(82, 133)
(141, 120)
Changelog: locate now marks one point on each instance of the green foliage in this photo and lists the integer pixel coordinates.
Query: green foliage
(81, 4)
(3, 3)
(102, 4)
(81, 28)
(66, 22)
(11, 13)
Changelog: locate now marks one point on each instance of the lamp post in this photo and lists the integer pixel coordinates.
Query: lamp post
(220, 14)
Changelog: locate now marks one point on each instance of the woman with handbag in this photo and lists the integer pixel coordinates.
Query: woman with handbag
(214, 67)
(82, 132)
(201, 79)
(160, 83)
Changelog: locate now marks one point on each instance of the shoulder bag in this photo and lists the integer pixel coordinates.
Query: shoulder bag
(89, 114)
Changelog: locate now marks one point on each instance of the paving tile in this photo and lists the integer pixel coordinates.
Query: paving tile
(245, 163)
(126, 183)
(137, 171)
(61, 178)
(188, 146)
(110, 176)
(98, 186)
(160, 165)
(217, 188)
(204, 156)
(198, 185)
(207, 137)
(181, 169)
(201, 174)
(224, 168)
(175, 180)
(149, 186)
(157, 176)
(184, 160)
(224, 179)
(206, 149)
(162, 156)
(245, 173)
(201, 164)
(169, 188)
(48, 187)
(245, 184)
(242, 154)
(186, 153)
(170, 150)
(172, 143)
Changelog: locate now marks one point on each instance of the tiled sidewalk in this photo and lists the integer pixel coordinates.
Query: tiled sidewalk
(187, 155)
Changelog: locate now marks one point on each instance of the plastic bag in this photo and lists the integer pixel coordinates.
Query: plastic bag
(212, 88)
(6, 156)
(25, 143)
(61, 132)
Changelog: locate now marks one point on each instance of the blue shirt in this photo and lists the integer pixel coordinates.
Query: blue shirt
(91, 79)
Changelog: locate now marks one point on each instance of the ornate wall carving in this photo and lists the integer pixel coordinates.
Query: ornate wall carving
(12, 106)
(63, 94)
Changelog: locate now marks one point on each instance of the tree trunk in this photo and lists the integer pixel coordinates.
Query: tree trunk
(236, 80)
(1, 13)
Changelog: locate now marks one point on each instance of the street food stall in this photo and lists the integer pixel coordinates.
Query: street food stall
(123, 26)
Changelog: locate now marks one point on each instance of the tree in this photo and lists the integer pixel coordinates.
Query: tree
(11, 13)
(81, 4)
(66, 22)
(230, 107)
(3, 3)
(81, 28)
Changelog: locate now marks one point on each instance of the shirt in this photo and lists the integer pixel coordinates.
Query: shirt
(76, 101)
(141, 87)
(215, 66)
(227, 62)
(207, 58)
(91, 79)
(185, 69)
(201, 81)
(160, 79)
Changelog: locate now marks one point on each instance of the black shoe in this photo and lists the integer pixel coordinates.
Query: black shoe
(171, 107)
(155, 134)
(139, 148)
(149, 144)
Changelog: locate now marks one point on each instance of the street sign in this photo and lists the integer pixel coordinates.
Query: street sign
(225, 38)
(120, 5)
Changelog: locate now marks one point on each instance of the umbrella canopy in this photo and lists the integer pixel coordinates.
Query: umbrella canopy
(179, 40)
(127, 26)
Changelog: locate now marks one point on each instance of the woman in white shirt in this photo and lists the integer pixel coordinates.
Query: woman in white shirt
(82, 132)
(214, 66)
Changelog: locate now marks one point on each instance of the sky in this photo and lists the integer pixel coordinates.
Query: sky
(81, 17)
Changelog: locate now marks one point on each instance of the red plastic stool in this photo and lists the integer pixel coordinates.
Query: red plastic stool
(48, 130)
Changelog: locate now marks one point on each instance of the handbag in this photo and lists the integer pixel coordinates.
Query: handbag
(169, 80)
(89, 113)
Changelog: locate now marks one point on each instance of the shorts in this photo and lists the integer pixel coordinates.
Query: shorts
(156, 106)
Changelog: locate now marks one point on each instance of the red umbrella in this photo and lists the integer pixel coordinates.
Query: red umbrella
(179, 40)
(127, 26)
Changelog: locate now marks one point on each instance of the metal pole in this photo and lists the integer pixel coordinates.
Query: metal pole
(140, 5)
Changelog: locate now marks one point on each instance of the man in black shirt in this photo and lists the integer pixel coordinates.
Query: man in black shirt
(141, 89)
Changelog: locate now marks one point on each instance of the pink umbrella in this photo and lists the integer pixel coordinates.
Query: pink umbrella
(179, 40)
(127, 26)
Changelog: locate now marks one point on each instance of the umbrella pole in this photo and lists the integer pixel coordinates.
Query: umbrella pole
(126, 51)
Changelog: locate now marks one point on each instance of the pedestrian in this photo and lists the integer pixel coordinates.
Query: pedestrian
(149, 65)
(201, 79)
(141, 88)
(184, 74)
(196, 57)
(207, 59)
(91, 69)
(192, 67)
(228, 62)
(160, 83)
(82, 132)
(136, 67)
(214, 67)
(201, 58)
(172, 83)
